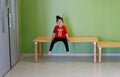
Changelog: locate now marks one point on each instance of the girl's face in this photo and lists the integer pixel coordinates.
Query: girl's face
(59, 22)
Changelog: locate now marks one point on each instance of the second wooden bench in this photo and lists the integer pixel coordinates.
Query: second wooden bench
(106, 45)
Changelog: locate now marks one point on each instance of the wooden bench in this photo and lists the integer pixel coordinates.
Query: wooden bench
(106, 45)
(39, 40)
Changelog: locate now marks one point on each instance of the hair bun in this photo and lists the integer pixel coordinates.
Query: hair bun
(58, 17)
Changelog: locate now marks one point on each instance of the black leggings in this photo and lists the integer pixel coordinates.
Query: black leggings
(64, 40)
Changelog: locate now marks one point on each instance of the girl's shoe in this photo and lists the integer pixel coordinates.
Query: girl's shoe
(49, 52)
(68, 53)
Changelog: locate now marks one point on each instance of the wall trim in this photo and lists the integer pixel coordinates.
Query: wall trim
(56, 54)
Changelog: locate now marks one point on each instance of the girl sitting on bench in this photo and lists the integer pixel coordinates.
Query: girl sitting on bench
(59, 34)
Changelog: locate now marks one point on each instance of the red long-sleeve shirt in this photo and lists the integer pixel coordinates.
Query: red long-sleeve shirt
(60, 32)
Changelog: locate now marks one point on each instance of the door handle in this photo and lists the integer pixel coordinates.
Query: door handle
(9, 20)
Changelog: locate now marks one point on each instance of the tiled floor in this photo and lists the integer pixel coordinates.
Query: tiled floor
(66, 67)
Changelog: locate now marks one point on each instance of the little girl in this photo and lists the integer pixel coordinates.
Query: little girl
(59, 34)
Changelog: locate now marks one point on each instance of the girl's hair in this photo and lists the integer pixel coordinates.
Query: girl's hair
(58, 17)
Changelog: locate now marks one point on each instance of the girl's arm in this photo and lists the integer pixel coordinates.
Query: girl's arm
(53, 36)
(67, 37)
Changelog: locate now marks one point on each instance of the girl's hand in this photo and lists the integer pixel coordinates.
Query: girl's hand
(51, 39)
(67, 39)
(53, 36)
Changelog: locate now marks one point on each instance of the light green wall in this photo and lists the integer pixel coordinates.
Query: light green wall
(112, 17)
(112, 23)
(82, 18)
(20, 27)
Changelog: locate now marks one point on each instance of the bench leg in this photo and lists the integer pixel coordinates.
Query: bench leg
(94, 52)
(40, 49)
(99, 54)
(36, 53)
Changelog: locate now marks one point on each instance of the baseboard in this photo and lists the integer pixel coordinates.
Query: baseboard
(117, 55)
(32, 54)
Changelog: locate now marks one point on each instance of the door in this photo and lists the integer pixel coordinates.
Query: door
(4, 40)
(13, 31)
(9, 51)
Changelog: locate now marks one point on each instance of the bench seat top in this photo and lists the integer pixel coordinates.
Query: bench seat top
(109, 44)
(71, 39)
